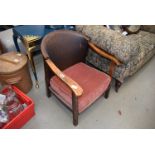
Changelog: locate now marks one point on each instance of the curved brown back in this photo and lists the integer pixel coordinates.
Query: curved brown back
(65, 48)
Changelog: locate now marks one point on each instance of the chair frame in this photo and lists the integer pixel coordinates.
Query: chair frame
(51, 69)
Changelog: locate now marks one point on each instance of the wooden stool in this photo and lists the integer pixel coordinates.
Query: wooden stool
(14, 70)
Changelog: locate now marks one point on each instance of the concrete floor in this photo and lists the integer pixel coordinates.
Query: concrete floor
(132, 107)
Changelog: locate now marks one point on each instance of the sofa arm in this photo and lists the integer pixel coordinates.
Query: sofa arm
(111, 41)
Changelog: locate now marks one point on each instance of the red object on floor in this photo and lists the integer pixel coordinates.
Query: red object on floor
(93, 82)
(22, 118)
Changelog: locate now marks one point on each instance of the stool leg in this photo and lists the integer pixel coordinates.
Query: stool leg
(29, 53)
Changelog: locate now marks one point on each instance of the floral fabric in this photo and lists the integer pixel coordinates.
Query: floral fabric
(133, 50)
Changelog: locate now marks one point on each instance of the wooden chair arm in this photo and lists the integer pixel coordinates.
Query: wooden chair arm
(75, 87)
(103, 53)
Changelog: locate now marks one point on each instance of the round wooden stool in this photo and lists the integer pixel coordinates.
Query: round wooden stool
(14, 70)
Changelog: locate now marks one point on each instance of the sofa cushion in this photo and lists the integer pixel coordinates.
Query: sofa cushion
(132, 29)
(125, 29)
(117, 28)
(148, 28)
(93, 82)
(144, 41)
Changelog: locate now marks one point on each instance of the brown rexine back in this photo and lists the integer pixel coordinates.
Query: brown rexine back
(65, 48)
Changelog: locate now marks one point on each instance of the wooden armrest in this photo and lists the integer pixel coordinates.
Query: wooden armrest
(103, 53)
(75, 87)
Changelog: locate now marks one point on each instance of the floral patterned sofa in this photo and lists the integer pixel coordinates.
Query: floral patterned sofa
(133, 50)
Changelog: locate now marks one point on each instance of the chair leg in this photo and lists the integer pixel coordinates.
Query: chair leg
(117, 85)
(75, 109)
(48, 92)
(106, 95)
(48, 75)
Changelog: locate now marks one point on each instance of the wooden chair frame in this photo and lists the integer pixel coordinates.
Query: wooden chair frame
(51, 69)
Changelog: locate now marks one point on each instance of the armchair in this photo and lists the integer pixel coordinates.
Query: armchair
(67, 76)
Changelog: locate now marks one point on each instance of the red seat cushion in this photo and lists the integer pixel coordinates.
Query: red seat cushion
(93, 82)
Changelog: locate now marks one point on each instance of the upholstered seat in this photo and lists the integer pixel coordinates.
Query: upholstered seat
(93, 82)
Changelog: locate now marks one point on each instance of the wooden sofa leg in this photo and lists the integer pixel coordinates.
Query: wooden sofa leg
(106, 95)
(117, 85)
(75, 109)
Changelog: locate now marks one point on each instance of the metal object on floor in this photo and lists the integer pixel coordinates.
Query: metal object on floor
(31, 36)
